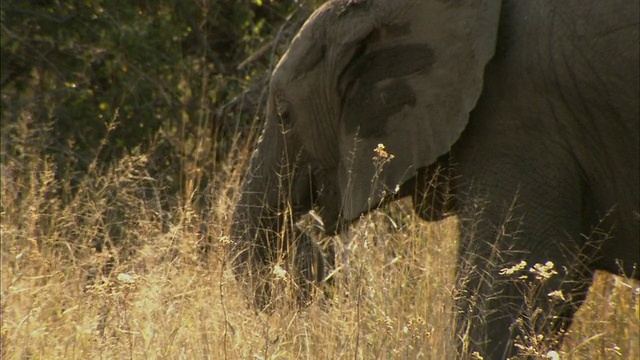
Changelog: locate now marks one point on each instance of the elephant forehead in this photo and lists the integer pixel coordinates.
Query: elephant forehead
(368, 112)
(301, 58)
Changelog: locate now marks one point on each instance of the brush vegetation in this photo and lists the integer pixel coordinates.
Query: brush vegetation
(112, 249)
(153, 295)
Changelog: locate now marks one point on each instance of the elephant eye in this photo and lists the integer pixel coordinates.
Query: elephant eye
(282, 107)
(284, 115)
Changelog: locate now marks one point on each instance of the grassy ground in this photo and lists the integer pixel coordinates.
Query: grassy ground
(392, 299)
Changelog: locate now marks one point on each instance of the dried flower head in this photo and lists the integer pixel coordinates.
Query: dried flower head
(381, 155)
(514, 269)
(279, 272)
(556, 295)
(543, 271)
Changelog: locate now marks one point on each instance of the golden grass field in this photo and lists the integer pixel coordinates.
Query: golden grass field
(392, 298)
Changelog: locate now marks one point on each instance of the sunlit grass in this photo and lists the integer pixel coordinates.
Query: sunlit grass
(149, 294)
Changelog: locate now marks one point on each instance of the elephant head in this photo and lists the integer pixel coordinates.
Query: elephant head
(390, 80)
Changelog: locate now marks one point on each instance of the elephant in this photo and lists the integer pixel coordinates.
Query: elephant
(521, 118)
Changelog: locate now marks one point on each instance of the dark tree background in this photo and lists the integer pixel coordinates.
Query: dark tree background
(179, 79)
(135, 107)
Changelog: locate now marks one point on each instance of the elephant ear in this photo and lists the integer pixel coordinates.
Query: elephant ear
(414, 74)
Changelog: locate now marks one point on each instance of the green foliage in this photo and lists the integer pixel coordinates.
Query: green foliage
(88, 84)
(138, 73)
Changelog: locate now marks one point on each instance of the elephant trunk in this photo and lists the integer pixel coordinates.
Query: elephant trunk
(275, 192)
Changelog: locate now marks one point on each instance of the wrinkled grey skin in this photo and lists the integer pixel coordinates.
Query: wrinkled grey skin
(520, 117)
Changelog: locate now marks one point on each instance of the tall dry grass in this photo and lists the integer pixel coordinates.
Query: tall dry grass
(149, 294)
